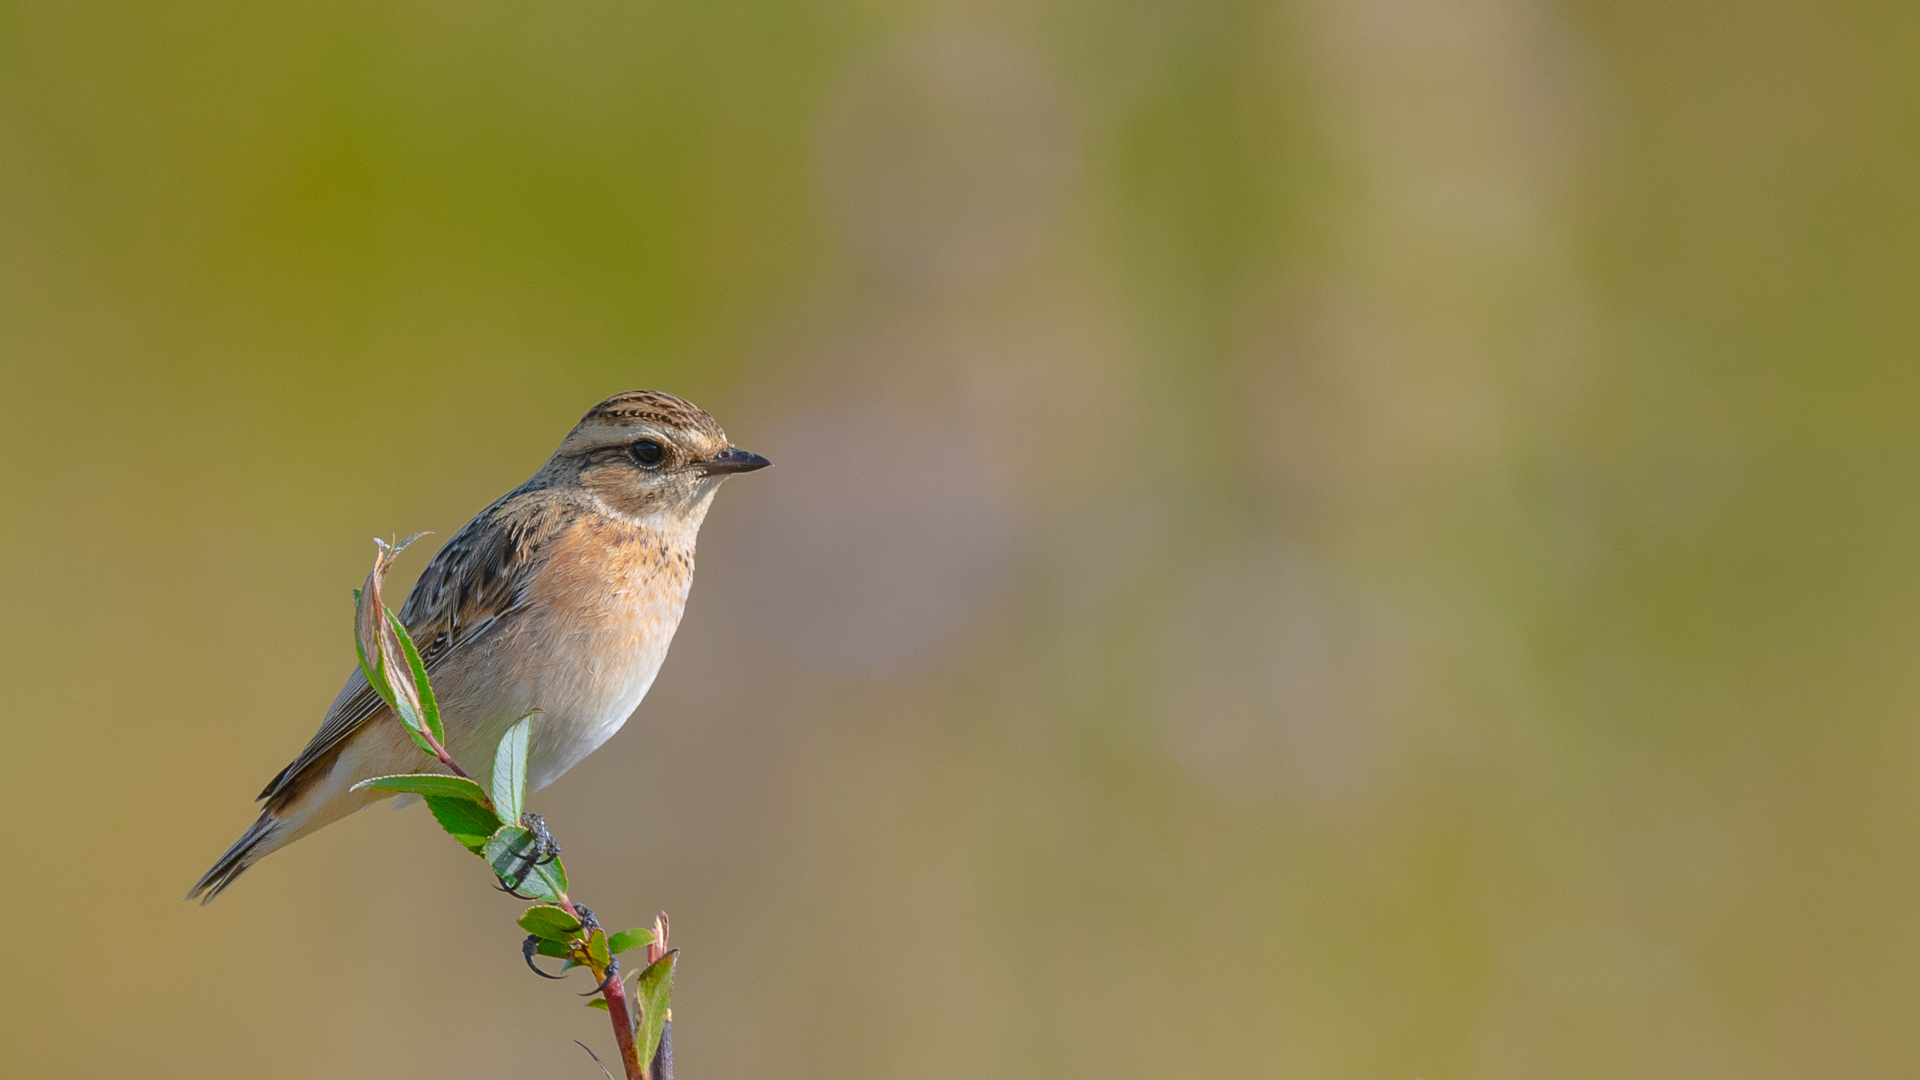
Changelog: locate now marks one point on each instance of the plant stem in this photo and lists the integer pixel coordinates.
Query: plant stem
(445, 758)
(662, 1067)
(616, 996)
(618, 1012)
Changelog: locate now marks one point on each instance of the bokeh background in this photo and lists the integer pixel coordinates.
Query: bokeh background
(1313, 538)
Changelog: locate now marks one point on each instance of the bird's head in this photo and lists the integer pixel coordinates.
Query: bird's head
(646, 452)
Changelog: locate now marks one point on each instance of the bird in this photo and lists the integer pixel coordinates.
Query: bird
(561, 597)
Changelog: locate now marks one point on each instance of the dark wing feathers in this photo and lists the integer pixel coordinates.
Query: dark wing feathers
(474, 582)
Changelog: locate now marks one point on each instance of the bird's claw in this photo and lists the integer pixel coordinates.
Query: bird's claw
(613, 972)
(509, 890)
(528, 949)
(542, 851)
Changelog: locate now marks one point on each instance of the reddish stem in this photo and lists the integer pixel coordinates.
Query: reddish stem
(616, 995)
(616, 991)
(617, 1011)
(447, 759)
(441, 753)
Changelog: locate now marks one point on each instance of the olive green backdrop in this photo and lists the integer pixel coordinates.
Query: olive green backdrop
(1329, 538)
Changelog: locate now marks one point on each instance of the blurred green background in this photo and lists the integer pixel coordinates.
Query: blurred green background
(1331, 538)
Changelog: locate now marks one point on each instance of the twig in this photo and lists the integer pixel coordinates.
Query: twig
(446, 759)
(618, 1012)
(379, 634)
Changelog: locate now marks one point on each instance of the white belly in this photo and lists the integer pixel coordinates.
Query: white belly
(585, 658)
(585, 703)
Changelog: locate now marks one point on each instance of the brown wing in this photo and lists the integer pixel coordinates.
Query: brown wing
(473, 584)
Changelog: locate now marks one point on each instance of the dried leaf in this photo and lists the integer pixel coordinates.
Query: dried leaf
(379, 649)
(422, 686)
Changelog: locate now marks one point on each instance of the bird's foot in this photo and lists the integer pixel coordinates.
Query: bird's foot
(531, 947)
(613, 973)
(543, 850)
(588, 924)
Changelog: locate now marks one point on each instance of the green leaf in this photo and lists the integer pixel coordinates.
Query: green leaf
(506, 852)
(651, 992)
(629, 939)
(510, 772)
(550, 923)
(601, 1004)
(453, 787)
(597, 949)
(465, 820)
(504, 847)
(555, 949)
(429, 708)
(548, 881)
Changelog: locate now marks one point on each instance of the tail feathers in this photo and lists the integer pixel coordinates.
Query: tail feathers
(252, 845)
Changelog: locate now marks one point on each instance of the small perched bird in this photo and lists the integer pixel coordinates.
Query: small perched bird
(562, 596)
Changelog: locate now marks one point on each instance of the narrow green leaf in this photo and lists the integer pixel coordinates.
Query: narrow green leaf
(651, 992)
(629, 939)
(466, 821)
(453, 787)
(510, 772)
(550, 923)
(601, 1004)
(429, 708)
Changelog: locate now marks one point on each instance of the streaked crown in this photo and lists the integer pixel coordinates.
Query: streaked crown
(655, 406)
(617, 419)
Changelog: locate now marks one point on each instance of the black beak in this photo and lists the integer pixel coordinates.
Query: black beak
(729, 461)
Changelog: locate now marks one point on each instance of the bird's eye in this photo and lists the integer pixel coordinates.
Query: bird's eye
(649, 453)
